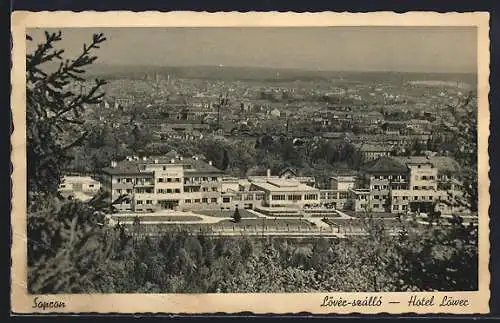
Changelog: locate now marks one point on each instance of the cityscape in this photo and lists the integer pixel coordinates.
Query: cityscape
(214, 178)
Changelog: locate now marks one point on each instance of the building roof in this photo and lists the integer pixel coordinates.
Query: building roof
(281, 185)
(78, 179)
(385, 165)
(367, 147)
(194, 164)
(442, 163)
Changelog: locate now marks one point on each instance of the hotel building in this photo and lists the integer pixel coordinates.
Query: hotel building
(164, 182)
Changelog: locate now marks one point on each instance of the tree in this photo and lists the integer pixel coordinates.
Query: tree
(53, 110)
(69, 244)
(236, 215)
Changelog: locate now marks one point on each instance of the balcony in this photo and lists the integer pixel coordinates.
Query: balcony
(144, 184)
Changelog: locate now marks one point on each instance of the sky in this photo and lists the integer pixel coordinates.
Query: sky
(399, 49)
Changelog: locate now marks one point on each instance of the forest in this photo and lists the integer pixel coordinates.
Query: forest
(71, 251)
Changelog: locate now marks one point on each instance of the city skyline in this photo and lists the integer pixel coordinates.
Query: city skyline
(391, 49)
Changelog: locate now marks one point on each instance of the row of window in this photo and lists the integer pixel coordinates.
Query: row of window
(415, 198)
(425, 178)
(331, 196)
(139, 202)
(199, 179)
(203, 200)
(424, 187)
(187, 201)
(168, 190)
(293, 197)
(197, 189)
(168, 180)
(400, 177)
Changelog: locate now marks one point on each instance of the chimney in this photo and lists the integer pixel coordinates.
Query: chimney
(113, 164)
(268, 173)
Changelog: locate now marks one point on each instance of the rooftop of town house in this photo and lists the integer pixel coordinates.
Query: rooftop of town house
(132, 165)
(78, 179)
(367, 147)
(384, 165)
(442, 163)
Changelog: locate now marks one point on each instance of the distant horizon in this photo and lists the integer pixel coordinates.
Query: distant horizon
(437, 49)
(295, 69)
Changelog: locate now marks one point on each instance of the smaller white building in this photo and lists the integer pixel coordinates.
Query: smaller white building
(80, 187)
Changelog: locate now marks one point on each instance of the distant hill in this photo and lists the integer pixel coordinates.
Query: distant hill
(264, 74)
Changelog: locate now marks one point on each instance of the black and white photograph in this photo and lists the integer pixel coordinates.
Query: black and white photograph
(253, 159)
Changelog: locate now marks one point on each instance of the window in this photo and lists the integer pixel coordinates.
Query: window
(160, 180)
(63, 185)
(395, 207)
(376, 206)
(188, 201)
(214, 179)
(395, 198)
(149, 202)
(416, 187)
(129, 180)
(119, 191)
(204, 200)
(164, 167)
(177, 179)
(430, 197)
(139, 202)
(424, 187)
(169, 190)
(226, 200)
(404, 207)
(431, 177)
(91, 185)
(169, 180)
(311, 196)
(214, 189)
(278, 197)
(405, 198)
(196, 200)
(415, 198)
(213, 200)
(376, 187)
(177, 190)
(343, 195)
(424, 178)
(129, 191)
(384, 187)
(376, 197)
(205, 189)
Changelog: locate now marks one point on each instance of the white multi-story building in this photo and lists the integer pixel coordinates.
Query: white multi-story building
(163, 182)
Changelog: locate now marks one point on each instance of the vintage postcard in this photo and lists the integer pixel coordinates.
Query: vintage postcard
(190, 162)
